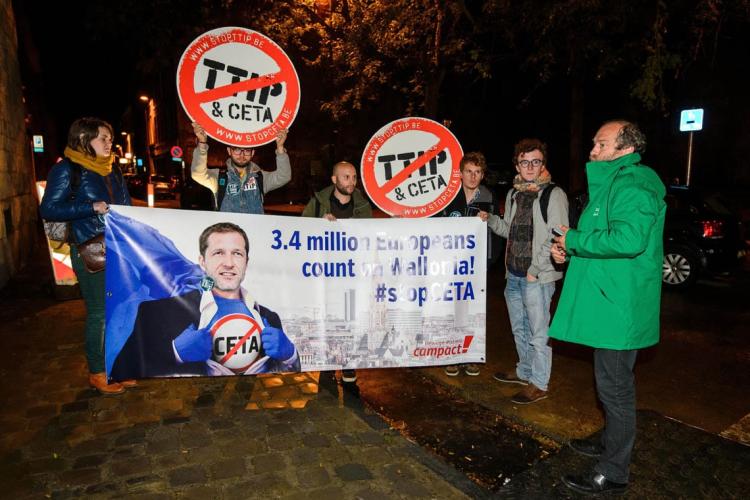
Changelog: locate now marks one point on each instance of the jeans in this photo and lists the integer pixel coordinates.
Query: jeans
(615, 385)
(92, 289)
(528, 309)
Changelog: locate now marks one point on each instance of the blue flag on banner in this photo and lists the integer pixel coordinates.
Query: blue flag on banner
(142, 265)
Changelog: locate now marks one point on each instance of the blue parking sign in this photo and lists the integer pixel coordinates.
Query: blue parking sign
(691, 120)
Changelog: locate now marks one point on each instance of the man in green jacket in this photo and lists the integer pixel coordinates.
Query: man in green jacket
(341, 200)
(611, 296)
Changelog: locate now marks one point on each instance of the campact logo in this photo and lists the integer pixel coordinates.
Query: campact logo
(443, 349)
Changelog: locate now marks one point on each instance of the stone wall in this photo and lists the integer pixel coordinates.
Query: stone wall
(18, 204)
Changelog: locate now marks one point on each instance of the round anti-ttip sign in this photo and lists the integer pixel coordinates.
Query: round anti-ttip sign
(410, 167)
(239, 86)
(236, 341)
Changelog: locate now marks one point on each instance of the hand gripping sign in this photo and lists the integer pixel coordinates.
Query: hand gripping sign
(236, 341)
(410, 167)
(239, 86)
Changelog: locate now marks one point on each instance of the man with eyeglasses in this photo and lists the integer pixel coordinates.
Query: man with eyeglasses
(530, 273)
(242, 186)
(472, 199)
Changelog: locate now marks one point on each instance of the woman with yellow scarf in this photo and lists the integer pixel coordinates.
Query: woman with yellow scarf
(79, 190)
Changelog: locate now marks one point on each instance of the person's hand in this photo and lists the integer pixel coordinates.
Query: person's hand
(329, 217)
(483, 215)
(557, 253)
(530, 278)
(280, 140)
(275, 342)
(200, 134)
(100, 207)
(193, 344)
(560, 240)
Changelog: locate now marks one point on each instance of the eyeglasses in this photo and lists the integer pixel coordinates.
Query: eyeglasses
(241, 151)
(534, 163)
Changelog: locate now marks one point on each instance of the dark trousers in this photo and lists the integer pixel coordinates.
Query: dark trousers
(92, 290)
(615, 385)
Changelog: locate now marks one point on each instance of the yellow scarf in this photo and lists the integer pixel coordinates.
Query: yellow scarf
(102, 165)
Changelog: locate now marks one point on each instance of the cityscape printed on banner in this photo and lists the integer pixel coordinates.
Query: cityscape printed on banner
(380, 336)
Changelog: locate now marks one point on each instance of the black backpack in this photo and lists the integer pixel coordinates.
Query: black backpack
(543, 200)
(222, 180)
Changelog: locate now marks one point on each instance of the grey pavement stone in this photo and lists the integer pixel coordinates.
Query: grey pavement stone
(227, 468)
(198, 493)
(316, 441)
(370, 494)
(80, 477)
(353, 472)
(131, 467)
(347, 439)
(312, 477)
(411, 488)
(284, 443)
(191, 474)
(89, 461)
(304, 456)
(243, 447)
(269, 462)
(371, 437)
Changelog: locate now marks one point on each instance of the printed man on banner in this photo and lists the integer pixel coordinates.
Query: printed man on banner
(340, 200)
(187, 334)
(242, 187)
(472, 199)
(532, 208)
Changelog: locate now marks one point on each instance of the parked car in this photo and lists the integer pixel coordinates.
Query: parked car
(165, 186)
(136, 185)
(701, 235)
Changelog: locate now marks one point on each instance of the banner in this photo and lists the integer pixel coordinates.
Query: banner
(59, 252)
(303, 294)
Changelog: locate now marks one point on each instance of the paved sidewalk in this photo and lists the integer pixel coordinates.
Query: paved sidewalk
(292, 436)
(253, 437)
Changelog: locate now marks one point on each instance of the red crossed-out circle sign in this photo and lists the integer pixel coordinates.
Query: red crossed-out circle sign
(239, 86)
(176, 152)
(410, 167)
(236, 341)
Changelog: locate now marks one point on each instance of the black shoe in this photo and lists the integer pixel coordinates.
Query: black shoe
(585, 447)
(349, 375)
(593, 484)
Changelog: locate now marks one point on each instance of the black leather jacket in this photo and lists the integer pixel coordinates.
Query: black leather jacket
(61, 203)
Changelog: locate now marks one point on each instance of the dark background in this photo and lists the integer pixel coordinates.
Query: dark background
(554, 70)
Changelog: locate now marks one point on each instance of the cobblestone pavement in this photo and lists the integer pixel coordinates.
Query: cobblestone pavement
(291, 436)
(288, 436)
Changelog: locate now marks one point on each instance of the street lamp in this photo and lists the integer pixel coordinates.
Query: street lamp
(150, 115)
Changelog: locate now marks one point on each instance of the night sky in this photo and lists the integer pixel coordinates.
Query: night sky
(73, 70)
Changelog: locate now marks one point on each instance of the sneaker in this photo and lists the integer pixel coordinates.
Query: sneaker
(530, 394)
(451, 370)
(349, 375)
(471, 370)
(509, 378)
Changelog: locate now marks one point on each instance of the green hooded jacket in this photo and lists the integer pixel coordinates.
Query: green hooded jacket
(612, 291)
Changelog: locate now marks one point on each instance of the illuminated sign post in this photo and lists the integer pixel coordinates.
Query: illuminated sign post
(38, 142)
(691, 120)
